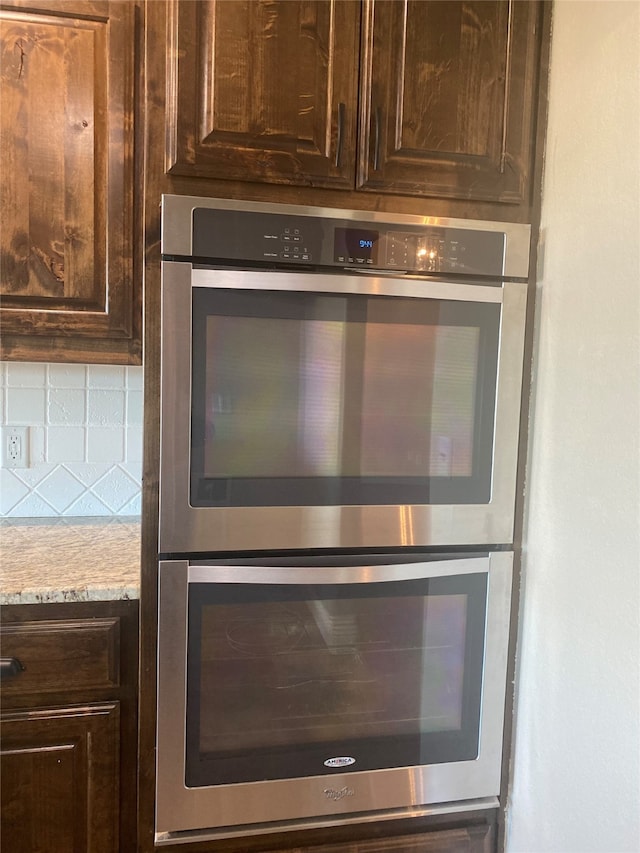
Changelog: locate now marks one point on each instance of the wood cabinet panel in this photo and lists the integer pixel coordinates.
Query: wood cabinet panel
(448, 98)
(68, 733)
(67, 184)
(467, 839)
(263, 90)
(447, 95)
(62, 655)
(59, 779)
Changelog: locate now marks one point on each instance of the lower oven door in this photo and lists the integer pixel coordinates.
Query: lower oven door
(294, 690)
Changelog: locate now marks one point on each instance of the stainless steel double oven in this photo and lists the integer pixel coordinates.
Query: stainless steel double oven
(339, 436)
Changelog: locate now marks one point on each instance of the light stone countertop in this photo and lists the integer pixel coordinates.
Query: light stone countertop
(69, 559)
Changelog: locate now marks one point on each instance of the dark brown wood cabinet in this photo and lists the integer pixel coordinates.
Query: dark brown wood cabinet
(264, 91)
(444, 95)
(474, 838)
(70, 266)
(447, 98)
(68, 736)
(444, 116)
(60, 779)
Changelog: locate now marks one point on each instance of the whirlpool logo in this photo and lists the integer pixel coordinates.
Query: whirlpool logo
(335, 794)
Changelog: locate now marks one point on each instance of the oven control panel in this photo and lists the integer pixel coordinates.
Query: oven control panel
(240, 236)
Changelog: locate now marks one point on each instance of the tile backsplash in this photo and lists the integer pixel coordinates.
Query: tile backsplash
(85, 439)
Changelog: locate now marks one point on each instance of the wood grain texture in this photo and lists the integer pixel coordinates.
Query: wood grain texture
(60, 779)
(160, 103)
(69, 272)
(84, 713)
(257, 89)
(448, 97)
(71, 653)
(478, 838)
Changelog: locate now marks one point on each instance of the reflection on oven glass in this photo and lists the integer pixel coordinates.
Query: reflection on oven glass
(280, 674)
(328, 399)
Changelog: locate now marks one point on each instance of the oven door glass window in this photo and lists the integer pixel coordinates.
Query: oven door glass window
(330, 399)
(286, 681)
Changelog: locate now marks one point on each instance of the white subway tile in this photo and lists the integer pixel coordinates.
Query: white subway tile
(135, 378)
(67, 375)
(134, 507)
(65, 444)
(87, 418)
(105, 376)
(60, 489)
(134, 408)
(90, 473)
(25, 375)
(37, 445)
(134, 470)
(26, 406)
(34, 475)
(87, 504)
(105, 444)
(105, 408)
(12, 490)
(116, 489)
(134, 444)
(67, 406)
(33, 506)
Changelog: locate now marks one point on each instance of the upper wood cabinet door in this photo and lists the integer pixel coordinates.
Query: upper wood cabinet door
(70, 289)
(448, 93)
(264, 90)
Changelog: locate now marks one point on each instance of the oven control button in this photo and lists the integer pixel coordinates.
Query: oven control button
(306, 257)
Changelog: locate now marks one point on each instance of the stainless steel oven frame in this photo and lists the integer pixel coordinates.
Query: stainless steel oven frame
(186, 529)
(187, 814)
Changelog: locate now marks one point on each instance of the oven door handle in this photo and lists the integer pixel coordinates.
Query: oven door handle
(369, 282)
(302, 575)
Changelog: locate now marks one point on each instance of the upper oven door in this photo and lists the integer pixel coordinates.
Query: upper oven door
(305, 410)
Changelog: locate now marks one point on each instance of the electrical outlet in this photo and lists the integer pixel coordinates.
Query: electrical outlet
(15, 447)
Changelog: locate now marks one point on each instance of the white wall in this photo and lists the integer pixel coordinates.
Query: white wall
(576, 764)
(85, 429)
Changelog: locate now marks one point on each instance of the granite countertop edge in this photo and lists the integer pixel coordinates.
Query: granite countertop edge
(69, 560)
(58, 596)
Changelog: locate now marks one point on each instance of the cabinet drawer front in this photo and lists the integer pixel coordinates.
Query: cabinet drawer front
(62, 655)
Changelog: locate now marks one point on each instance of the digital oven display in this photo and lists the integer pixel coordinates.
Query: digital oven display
(355, 245)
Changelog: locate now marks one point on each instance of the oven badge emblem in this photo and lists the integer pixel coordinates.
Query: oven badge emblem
(341, 761)
(335, 794)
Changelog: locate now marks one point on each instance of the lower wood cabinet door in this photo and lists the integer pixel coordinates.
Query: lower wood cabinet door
(472, 838)
(60, 780)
